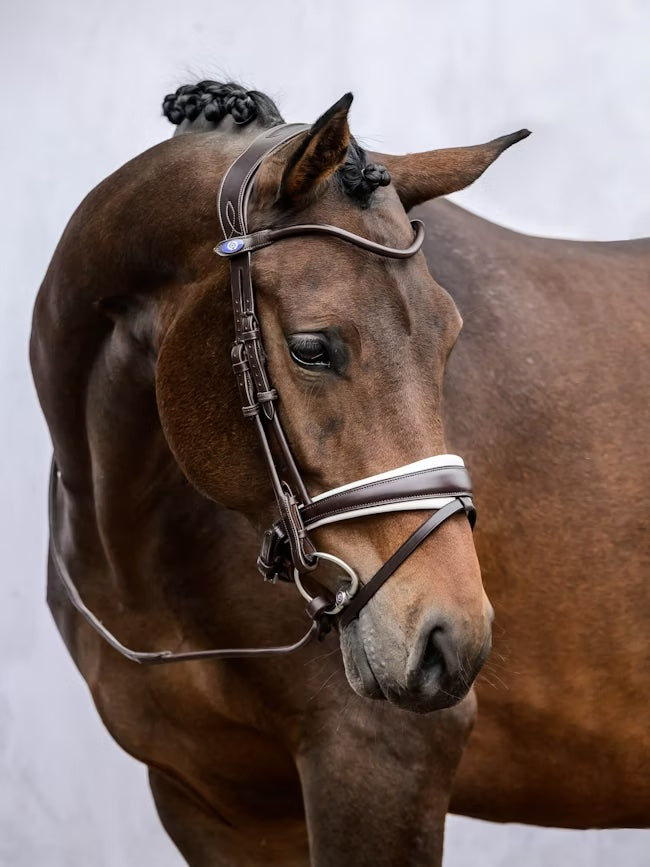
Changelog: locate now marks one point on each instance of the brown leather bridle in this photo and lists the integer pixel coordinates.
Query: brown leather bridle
(440, 483)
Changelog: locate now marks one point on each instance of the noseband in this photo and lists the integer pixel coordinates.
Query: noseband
(439, 484)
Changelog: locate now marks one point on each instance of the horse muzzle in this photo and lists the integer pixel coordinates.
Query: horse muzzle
(433, 670)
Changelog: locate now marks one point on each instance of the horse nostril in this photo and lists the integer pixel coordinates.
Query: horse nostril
(433, 660)
(442, 664)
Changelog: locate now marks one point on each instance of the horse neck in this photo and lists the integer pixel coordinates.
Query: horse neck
(485, 266)
(94, 361)
(538, 313)
(466, 253)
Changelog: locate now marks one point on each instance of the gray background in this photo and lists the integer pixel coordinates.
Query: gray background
(82, 85)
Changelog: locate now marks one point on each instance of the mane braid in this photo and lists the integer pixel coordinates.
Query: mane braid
(213, 100)
(202, 106)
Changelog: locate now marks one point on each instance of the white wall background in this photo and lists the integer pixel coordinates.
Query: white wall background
(82, 86)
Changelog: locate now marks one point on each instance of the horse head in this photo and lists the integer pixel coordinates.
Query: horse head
(356, 347)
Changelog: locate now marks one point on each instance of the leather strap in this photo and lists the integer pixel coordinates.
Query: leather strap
(391, 565)
(318, 628)
(234, 189)
(266, 237)
(248, 358)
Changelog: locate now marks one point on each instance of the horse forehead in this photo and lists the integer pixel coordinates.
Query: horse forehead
(325, 276)
(319, 278)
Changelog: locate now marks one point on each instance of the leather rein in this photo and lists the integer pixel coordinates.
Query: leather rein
(439, 484)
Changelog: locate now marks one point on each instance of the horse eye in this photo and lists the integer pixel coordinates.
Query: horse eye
(310, 351)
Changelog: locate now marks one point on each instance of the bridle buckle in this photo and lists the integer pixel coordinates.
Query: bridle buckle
(296, 534)
(272, 561)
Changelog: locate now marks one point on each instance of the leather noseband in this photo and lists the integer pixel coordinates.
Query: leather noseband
(439, 484)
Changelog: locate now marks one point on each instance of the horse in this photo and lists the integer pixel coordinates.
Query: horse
(160, 496)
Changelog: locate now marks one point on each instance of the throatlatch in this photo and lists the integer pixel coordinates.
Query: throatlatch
(439, 484)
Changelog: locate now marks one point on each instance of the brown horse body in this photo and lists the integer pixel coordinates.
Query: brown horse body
(277, 761)
(547, 395)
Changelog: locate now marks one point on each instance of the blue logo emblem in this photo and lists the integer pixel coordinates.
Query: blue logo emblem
(232, 246)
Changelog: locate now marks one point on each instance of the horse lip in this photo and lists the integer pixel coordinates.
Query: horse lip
(419, 701)
(359, 658)
(368, 676)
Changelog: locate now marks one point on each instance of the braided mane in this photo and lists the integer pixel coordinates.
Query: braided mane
(202, 106)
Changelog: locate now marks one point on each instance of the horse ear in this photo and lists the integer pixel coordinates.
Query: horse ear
(420, 177)
(320, 152)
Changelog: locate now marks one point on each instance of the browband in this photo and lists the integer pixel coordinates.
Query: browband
(266, 237)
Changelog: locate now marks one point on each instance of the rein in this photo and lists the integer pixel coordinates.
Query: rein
(440, 483)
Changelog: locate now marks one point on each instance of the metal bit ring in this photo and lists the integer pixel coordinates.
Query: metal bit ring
(344, 595)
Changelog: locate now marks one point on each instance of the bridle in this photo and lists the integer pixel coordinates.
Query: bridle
(439, 484)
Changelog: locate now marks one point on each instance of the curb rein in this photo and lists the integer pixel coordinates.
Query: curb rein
(440, 483)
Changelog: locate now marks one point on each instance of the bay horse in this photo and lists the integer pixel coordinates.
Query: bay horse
(161, 495)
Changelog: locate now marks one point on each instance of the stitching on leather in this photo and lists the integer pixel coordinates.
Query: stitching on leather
(231, 216)
(374, 484)
(244, 187)
(404, 499)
